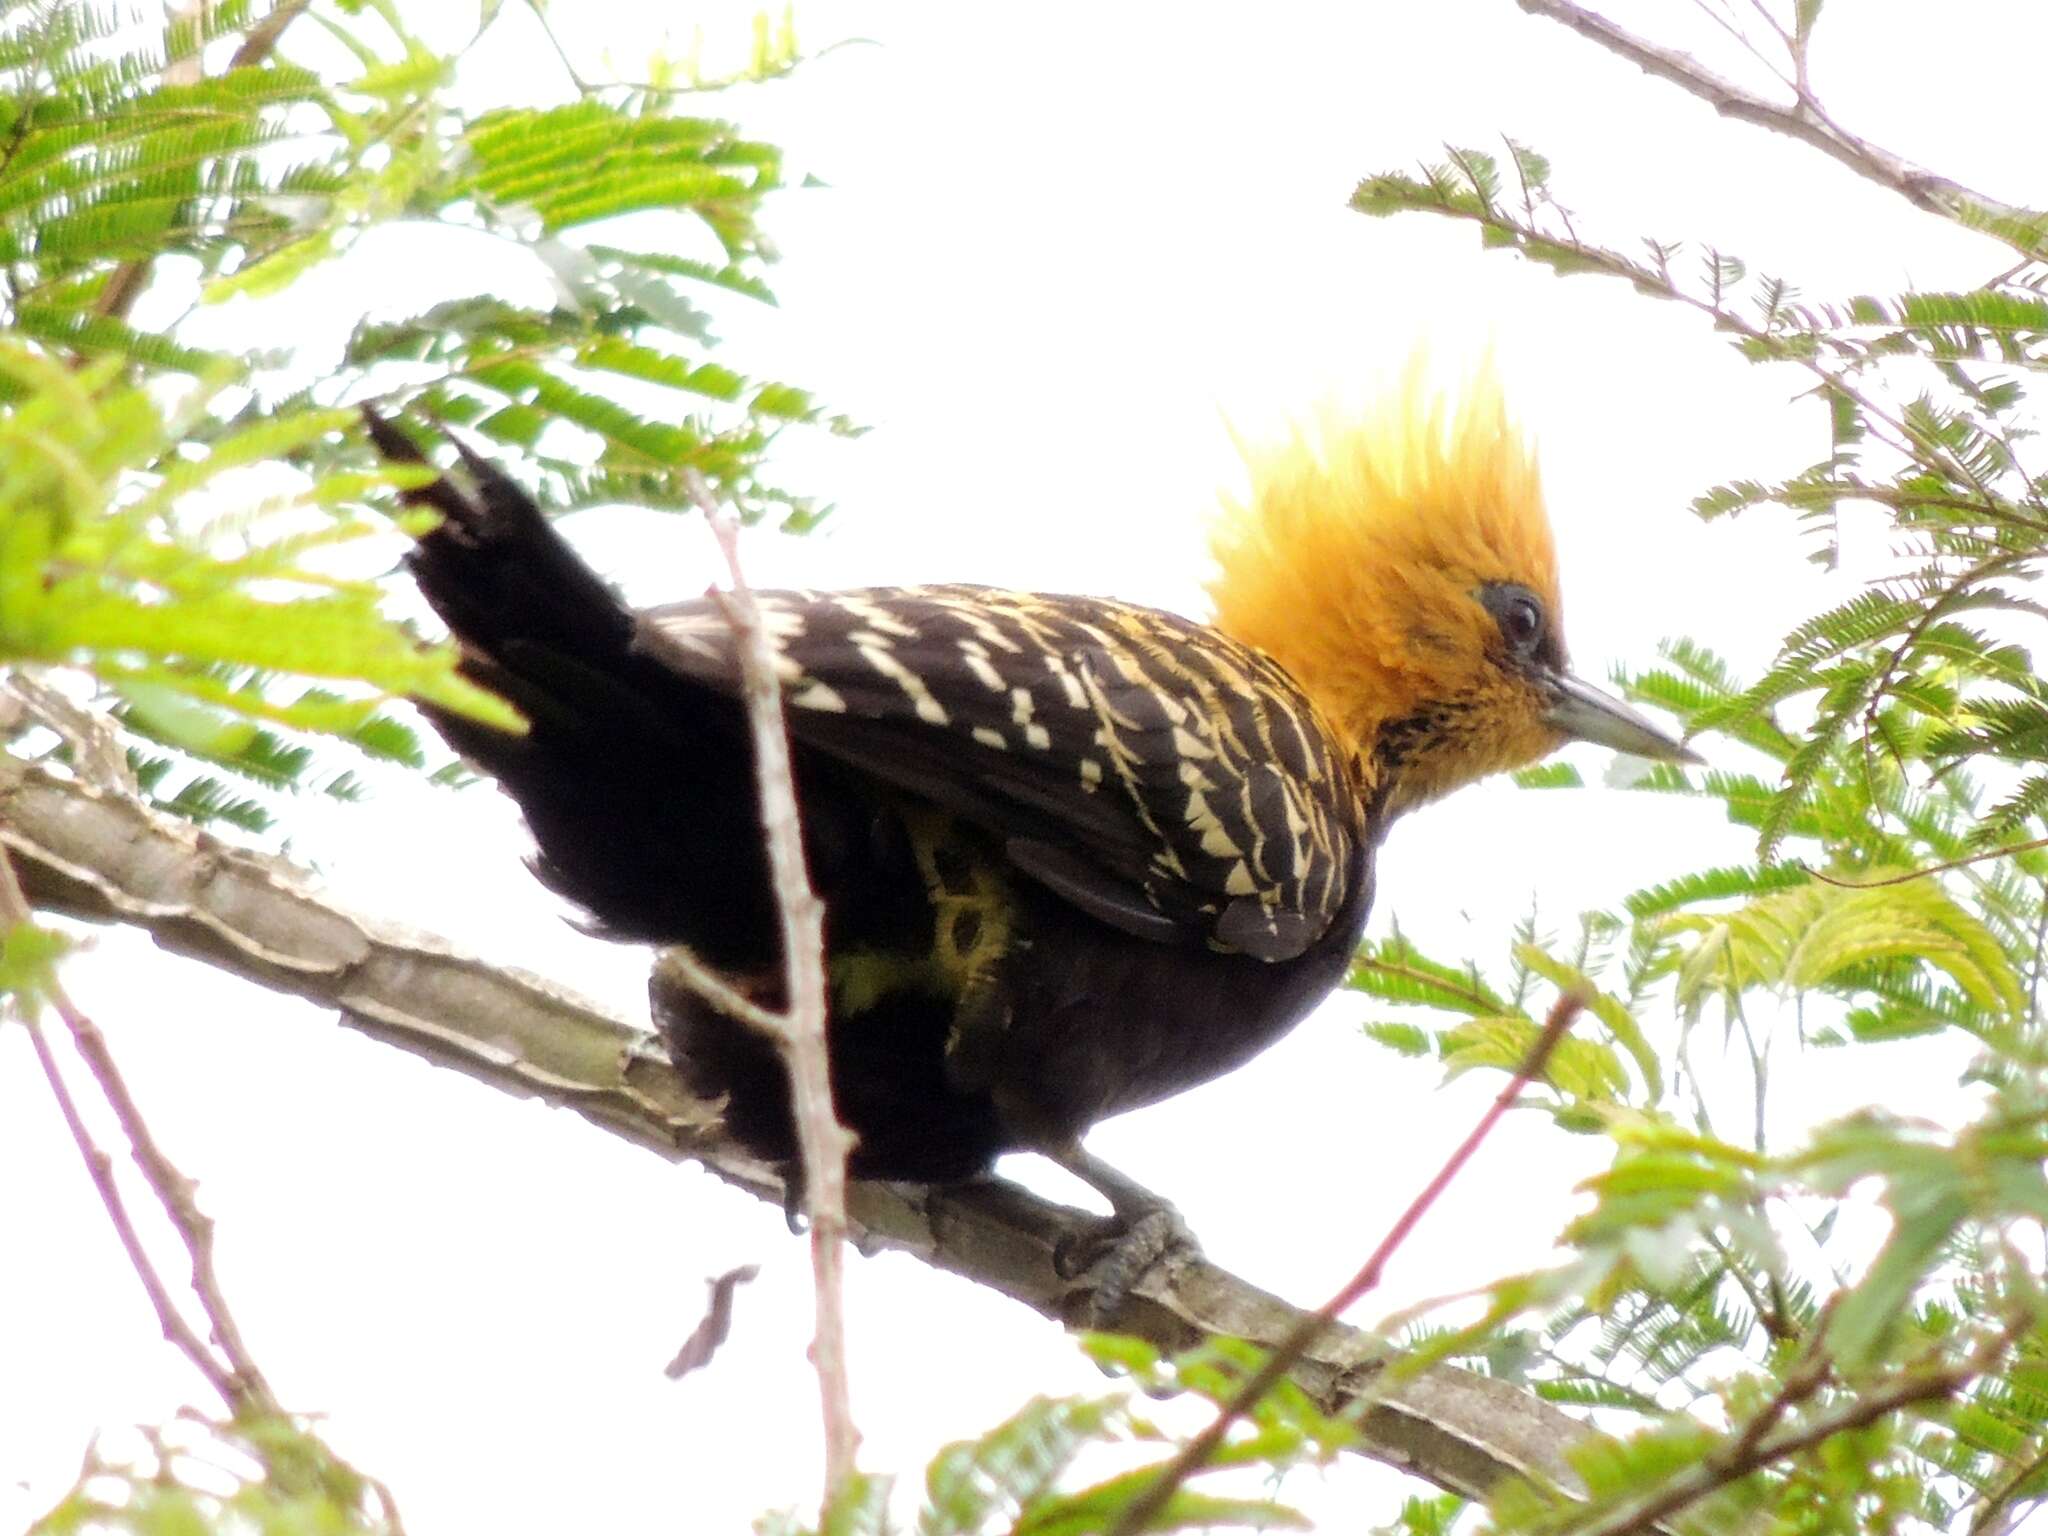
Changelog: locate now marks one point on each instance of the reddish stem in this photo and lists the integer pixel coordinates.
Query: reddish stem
(1196, 1453)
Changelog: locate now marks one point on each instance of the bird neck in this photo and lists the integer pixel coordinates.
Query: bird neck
(1408, 731)
(1372, 698)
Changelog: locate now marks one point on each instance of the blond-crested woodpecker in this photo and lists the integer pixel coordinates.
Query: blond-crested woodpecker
(1076, 854)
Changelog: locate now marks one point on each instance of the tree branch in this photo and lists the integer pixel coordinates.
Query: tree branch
(90, 854)
(2022, 228)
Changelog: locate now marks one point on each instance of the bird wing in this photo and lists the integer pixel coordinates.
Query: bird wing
(1150, 770)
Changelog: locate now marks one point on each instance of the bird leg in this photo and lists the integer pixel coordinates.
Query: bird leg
(1146, 1230)
(1131, 1201)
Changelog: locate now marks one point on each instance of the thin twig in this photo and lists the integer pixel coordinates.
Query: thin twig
(100, 1166)
(1754, 1451)
(1800, 1385)
(1431, 980)
(125, 283)
(694, 85)
(97, 754)
(1193, 1456)
(1920, 187)
(1728, 24)
(1957, 589)
(800, 1029)
(1922, 873)
(262, 39)
(176, 1193)
(679, 964)
(231, 1372)
(1769, 1310)
(1996, 1515)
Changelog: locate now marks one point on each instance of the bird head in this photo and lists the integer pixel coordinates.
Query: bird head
(1401, 568)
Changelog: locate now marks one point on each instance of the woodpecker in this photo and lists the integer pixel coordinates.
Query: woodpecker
(1076, 854)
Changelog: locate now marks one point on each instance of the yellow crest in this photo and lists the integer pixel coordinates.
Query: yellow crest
(1357, 560)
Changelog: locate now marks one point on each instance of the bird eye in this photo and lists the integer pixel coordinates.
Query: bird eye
(1520, 616)
(1523, 623)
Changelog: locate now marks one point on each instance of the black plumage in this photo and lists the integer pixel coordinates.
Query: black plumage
(1075, 855)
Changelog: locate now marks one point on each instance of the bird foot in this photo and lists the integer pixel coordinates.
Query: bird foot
(1117, 1258)
(1145, 1232)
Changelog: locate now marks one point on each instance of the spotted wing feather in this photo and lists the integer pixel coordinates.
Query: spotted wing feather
(1163, 778)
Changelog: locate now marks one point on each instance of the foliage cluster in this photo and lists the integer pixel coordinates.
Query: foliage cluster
(1739, 1352)
(176, 528)
(193, 543)
(207, 514)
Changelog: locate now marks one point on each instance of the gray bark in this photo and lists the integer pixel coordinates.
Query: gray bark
(101, 856)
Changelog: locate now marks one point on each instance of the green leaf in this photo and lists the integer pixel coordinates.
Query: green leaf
(974, 1484)
(1437, 1516)
(861, 1508)
(1394, 969)
(1582, 1069)
(1406, 1039)
(1610, 1010)
(1097, 1509)
(1549, 776)
(1926, 1217)
(28, 959)
(1817, 934)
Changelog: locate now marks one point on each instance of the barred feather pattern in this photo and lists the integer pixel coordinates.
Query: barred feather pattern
(1158, 773)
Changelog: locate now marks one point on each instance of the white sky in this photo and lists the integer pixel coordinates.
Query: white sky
(1060, 242)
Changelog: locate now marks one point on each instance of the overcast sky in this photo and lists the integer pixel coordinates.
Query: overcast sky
(1059, 247)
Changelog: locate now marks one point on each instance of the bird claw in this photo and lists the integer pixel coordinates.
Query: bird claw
(1115, 1261)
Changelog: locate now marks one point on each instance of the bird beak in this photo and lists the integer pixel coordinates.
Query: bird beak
(1584, 713)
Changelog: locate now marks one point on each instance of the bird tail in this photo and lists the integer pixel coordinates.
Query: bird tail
(637, 783)
(499, 575)
(633, 779)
